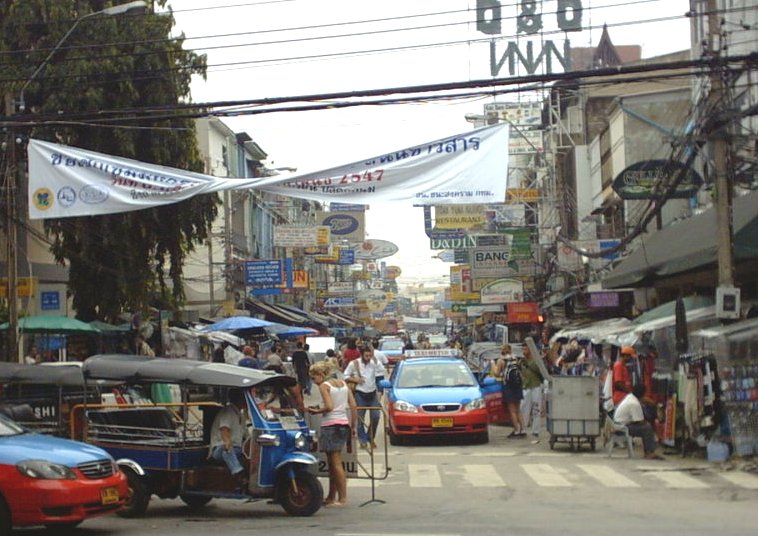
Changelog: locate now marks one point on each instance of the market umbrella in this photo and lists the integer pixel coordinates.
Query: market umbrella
(105, 327)
(283, 330)
(234, 323)
(52, 324)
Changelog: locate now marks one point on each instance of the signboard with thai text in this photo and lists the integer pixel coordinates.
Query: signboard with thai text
(502, 291)
(458, 216)
(264, 272)
(523, 313)
(293, 236)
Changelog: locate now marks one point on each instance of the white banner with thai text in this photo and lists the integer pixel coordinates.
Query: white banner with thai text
(467, 168)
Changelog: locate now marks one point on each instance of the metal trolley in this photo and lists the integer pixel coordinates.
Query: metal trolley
(573, 411)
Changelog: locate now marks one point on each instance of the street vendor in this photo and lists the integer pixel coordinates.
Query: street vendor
(622, 379)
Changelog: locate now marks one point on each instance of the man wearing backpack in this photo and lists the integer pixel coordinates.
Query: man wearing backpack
(512, 390)
(531, 406)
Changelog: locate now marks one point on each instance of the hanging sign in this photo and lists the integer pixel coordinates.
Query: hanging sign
(466, 168)
(646, 179)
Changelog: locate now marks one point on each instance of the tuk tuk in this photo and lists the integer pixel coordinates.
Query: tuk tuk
(163, 446)
(170, 441)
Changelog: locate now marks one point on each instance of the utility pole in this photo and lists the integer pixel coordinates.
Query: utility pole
(718, 140)
(11, 232)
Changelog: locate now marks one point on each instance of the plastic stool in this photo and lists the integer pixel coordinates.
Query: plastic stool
(618, 432)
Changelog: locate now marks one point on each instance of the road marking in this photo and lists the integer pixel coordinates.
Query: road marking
(678, 480)
(494, 454)
(743, 480)
(424, 476)
(545, 476)
(482, 476)
(548, 454)
(608, 477)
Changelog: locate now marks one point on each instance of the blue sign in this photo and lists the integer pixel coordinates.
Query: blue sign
(346, 207)
(271, 291)
(340, 301)
(50, 300)
(263, 272)
(608, 244)
(347, 256)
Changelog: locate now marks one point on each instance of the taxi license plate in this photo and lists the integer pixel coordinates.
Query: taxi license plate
(442, 422)
(109, 495)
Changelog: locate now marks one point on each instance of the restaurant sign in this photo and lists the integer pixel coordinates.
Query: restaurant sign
(648, 180)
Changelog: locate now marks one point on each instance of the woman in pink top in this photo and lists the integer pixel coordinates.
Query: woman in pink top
(339, 416)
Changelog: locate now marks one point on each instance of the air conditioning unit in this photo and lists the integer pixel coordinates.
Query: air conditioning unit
(728, 302)
(575, 119)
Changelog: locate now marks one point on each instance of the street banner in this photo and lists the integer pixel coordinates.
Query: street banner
(466, 168)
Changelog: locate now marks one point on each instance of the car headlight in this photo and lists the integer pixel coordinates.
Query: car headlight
(45, 470)
(477, 403)
(402, 405)
(300, 441)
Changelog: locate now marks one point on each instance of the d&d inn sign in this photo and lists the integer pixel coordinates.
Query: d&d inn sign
(529, 21)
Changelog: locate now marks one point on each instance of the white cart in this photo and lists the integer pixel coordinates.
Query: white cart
(573, 411)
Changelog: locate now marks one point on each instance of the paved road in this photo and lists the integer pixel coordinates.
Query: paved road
(505, 487)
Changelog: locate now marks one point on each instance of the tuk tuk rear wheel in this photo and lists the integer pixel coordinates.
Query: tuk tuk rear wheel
(195, 501)
(5, 518)
(306, 500)
(138, 496)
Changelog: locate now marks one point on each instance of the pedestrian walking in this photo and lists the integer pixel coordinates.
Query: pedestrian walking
(302, 363)
(363, 373)
(531, 405)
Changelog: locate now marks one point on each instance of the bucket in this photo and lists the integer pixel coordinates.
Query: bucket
(717, 451)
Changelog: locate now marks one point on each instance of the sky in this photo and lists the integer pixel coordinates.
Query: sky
(282, 48)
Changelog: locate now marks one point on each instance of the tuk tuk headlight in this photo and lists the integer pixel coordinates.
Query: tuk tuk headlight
(405, 407)
(477, 403)
(45, 470)
(300, 441)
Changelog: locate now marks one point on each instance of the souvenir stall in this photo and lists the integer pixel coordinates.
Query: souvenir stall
(733, 352)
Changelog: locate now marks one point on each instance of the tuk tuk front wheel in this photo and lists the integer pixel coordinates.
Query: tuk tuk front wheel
(138, 496)
(195, 501)
(303, 497)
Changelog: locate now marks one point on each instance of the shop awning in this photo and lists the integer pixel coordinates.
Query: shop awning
(686, 246)
(310, 317)
(738, 341)
(596, 332)
(343, 320)
(275, 313)
(660, 331)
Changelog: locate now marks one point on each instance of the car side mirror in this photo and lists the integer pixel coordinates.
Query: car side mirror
(385, 384)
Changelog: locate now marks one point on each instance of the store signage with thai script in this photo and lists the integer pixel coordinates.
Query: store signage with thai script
(502, 291)
(598, 300)
(25, 286)
(264, 272)
(523, 313)
(341, 287)
(293, 236)
(522, 195)
(515, 113)
(490, 261)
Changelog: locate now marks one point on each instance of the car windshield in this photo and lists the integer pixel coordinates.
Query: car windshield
(8, 427)
(435, 375)
(392, 345)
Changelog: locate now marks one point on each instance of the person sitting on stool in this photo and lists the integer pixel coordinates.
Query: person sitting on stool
(629, 413)
(227, 435)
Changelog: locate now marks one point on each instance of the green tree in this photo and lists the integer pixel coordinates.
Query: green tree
(116, 67)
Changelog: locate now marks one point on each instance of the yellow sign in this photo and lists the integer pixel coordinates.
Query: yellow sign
(25, 287)
(522, 195)
(299, 279)
(458, 216)
(461, 284)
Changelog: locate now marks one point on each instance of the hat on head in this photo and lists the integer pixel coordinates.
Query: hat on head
(628, 350)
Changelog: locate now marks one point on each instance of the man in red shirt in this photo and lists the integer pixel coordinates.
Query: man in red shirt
(622, 380)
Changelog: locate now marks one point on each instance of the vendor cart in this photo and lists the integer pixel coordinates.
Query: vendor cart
(573, 411)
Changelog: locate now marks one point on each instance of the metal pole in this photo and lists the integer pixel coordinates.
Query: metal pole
(11, 233)
(723, 180)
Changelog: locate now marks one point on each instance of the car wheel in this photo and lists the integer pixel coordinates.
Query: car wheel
(5, 518)
(138, 498)
(303, 497)
(395, 439)
(195, 501)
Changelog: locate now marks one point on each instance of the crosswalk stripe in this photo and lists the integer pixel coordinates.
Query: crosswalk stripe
(608, 477)
(743, 480)
(678, 480)
(424, 476)
(482, 476)
(545, 475)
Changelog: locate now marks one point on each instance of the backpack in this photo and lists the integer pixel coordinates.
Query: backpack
(512, 377)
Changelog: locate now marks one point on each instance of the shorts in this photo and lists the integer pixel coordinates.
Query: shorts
(334, 438)
(512, 395)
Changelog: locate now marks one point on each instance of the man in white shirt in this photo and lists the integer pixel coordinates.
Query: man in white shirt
(228, 433)
(629, 412)
(363, 373)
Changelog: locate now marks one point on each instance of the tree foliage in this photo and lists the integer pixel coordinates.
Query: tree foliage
(114, 66)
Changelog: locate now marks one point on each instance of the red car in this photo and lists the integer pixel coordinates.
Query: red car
(56, 482)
